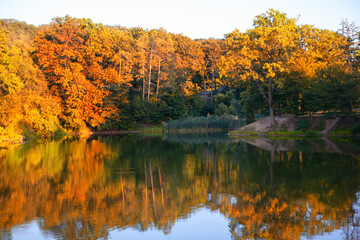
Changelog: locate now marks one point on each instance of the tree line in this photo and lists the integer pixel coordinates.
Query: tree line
(75, 74)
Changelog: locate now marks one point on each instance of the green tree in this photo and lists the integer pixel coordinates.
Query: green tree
(334, 88)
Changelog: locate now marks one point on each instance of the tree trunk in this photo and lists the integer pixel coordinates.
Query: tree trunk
(272, 120)
(270, 101)
(145, 171)
(213, 78)
(152, 184)
(203, 78)
(120, 70)
(148, 97)
(272, 170)
(161, 188)
(158, 80)
(122, 191)
(215, 180)
(144, 84)
(212, 85)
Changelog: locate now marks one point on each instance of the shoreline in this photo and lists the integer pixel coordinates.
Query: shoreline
(6, 143)
(114, 132)
(290, 136)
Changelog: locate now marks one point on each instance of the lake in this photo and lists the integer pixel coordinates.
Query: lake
(180, 187)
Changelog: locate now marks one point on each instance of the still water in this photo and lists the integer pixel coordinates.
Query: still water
(194, 187)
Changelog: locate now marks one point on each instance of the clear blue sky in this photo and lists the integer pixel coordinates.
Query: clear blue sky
(193, 18)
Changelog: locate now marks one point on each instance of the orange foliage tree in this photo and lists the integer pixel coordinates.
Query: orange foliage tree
(64, 52)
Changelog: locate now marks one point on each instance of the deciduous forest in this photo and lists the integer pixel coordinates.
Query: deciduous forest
(74, 74)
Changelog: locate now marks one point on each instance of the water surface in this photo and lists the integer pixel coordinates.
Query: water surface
(180, 187)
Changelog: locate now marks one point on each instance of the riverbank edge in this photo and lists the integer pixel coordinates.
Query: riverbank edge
(291, 126)
(292, 135)
(5, 143)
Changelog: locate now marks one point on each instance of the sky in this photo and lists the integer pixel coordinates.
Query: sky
(193, 18)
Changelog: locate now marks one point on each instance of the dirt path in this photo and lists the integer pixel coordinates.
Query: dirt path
(286, 123)
(330, 123)
(263, 125)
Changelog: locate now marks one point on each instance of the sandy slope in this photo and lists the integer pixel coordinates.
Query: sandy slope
(284, 123)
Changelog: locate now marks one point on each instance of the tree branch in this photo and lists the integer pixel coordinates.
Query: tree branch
(262, 91)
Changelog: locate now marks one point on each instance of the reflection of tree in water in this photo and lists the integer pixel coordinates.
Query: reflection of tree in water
(85, 188)
(352, 229)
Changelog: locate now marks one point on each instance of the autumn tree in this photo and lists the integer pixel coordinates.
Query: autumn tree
(9, 82)
(164, 52)
(61, 52)
(159, 46)
(142, 42)
(27, 106)
(110, 60)
(263, 54)
(188, 63)
(213, 49)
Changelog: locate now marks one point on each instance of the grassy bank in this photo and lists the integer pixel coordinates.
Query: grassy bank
(153, 131)
(278, 134)
(290, 126)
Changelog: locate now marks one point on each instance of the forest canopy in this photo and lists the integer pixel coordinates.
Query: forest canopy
(74, 74)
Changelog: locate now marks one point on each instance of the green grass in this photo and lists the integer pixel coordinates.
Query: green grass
(153, 131)
(285, 133)
(341, 132)
(247, 133)
(294, 133)
(280, 134)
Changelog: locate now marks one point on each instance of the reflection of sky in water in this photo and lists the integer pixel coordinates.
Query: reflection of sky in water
(202, 224)
(337, 234)
(28, 231)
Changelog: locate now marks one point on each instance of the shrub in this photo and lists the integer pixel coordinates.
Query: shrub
(232, 110)
(221, 109)
(355, 130)
(303, 124)
(59, 134)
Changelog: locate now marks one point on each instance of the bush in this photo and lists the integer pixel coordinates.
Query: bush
(232, 110)
(355, 130)
(303, 124)
(59, 134)
(221, 109)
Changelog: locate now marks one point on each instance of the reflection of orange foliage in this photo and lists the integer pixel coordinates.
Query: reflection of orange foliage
(30, 185)
(78, 191)
(270, 218)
